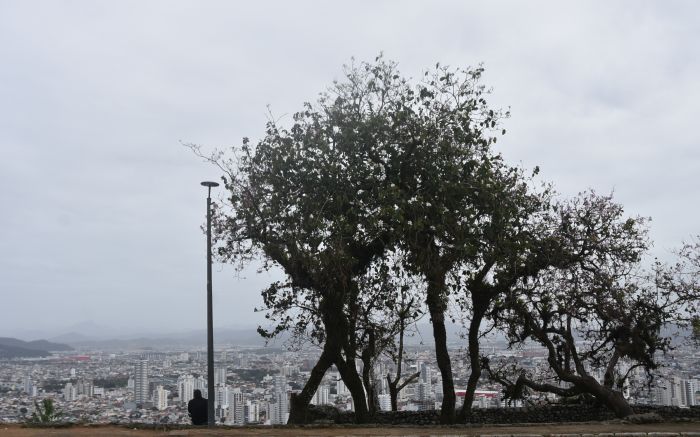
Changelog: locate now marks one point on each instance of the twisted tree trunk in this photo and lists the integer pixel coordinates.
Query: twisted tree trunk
(352, 381)
(299, 403)
(368, 354)
(474, 359)
(436, 306)
(475, 364)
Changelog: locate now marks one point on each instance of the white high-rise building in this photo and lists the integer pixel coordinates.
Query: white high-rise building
(289, 369)
(667, 392)
(423, 392)
(252, 412)
(221, 396)
(438, 389)
(70, 392)
(141, 395)
(27, 384)
(321, 396)
(85, 388)
(185, 388)
(384, 402)
(277, 414)
(688, 389)
(200, 383)
(425, 375)
(160, 398)
(220, 375)
(279, 410)
(236, 410)
(340, 387)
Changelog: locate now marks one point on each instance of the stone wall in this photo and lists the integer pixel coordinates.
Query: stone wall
(539, 414)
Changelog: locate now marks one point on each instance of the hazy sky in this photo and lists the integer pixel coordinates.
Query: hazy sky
(101, 204)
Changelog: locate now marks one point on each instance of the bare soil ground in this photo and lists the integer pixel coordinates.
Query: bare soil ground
(352, 431)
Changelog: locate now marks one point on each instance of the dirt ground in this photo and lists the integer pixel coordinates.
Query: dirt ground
(543, 429)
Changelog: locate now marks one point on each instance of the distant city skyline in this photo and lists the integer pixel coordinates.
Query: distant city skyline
(102, 206)
(255, 384)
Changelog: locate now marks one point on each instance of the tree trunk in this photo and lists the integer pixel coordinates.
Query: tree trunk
(367, 378)
(474, 360)
(299, 404)
(352, 380)
(395, 388)
(436, 306)
(610, 398)
(616, 402)
(583, 381)
(370, 390)
(447, 413)
(393, 393)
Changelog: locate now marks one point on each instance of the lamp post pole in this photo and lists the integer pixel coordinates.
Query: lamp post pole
(210, 323)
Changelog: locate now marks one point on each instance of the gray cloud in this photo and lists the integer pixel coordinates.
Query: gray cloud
(102, 205)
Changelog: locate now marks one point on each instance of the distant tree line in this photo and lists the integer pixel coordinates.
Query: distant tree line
(250, 375)
(110, 382)
(385, 200)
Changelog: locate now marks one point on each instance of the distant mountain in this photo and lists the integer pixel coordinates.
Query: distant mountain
(18, 352)
(237, 336)
(40, 345)
(222, 336)
(14, 348)
(82, 331)
(72, 337)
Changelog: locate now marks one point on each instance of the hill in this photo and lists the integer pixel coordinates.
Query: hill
(222, 336)
(15, 348)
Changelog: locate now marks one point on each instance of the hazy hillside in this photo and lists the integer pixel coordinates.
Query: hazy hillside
(40, 345)
(14, 348)
(188, 339)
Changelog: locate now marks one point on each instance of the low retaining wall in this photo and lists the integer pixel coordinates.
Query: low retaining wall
(538, 414)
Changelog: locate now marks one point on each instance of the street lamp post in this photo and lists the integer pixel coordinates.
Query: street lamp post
(210, 322)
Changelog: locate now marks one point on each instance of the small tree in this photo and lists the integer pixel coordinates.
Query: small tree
(682, 283)
(392, 304)
(45, 412)
(594, 312)
(513, 243)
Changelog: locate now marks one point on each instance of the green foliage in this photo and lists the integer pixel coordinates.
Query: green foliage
(250, 375)
(112, 381)
(378, 165)
(387, 191)
(45, 412)
(594, 309)
(696, 329)
(378, 162)
(53, 385)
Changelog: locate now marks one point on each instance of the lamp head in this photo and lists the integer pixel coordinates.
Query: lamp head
(210, 184)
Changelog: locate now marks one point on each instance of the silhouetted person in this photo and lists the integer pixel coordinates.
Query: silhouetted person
(198, 409)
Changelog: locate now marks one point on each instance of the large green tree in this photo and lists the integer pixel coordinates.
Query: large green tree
(512, 243)
(317, 200)
(378, 163)
(456, 193)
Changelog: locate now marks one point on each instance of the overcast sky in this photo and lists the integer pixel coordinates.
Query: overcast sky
(101, 204)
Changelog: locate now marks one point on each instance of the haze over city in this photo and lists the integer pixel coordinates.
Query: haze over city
(101, 203)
